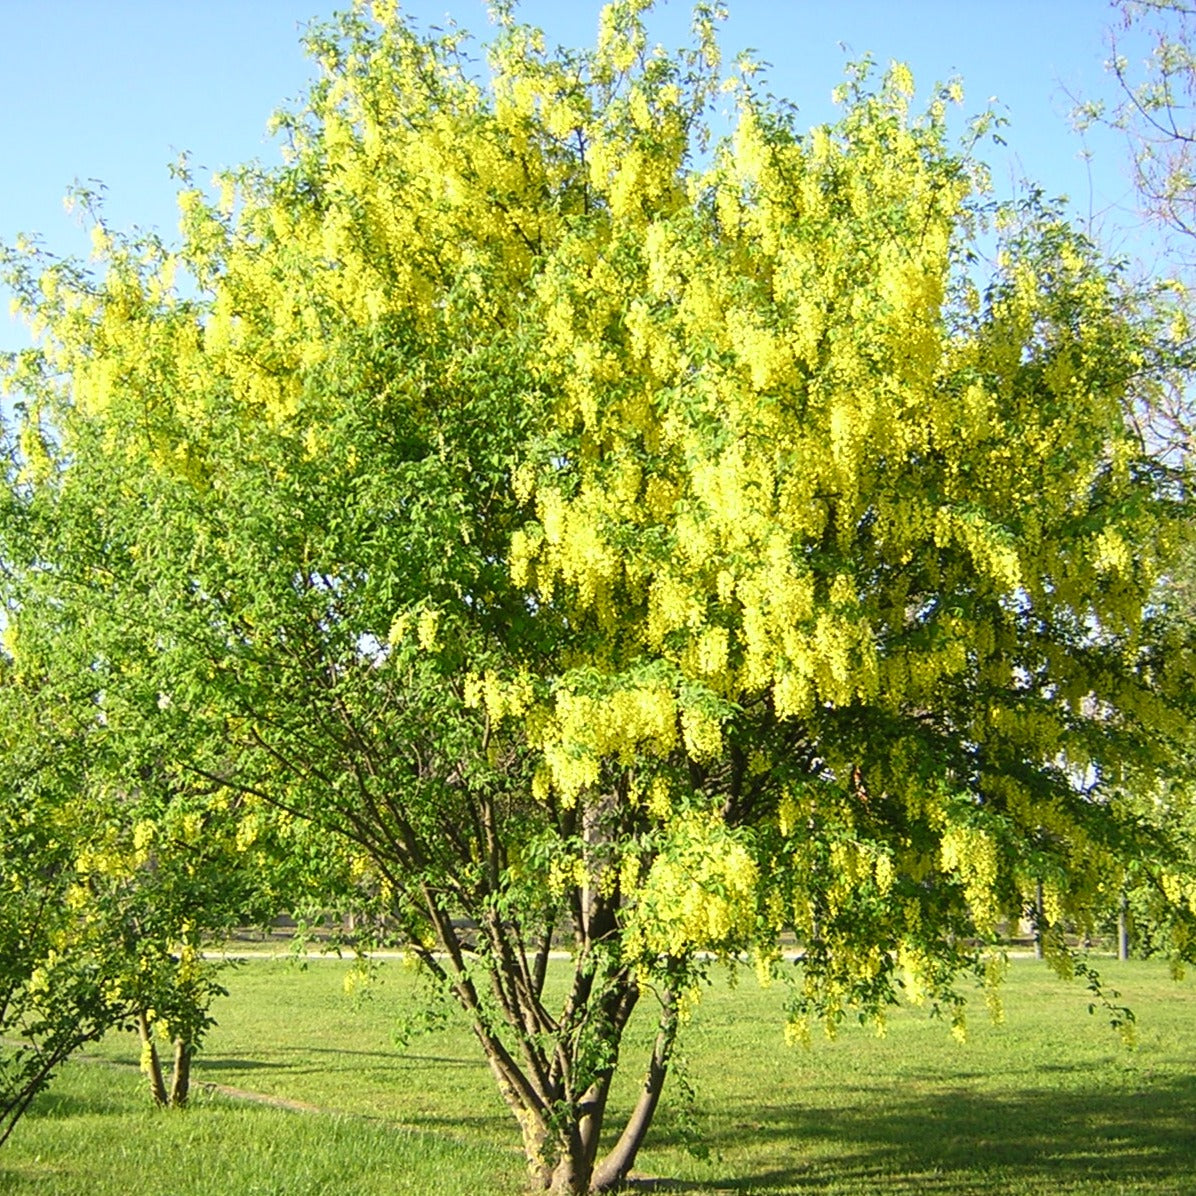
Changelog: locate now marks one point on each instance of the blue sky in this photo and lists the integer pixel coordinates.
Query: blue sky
(114, 90)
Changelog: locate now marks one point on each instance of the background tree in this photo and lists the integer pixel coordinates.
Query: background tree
(622, 539)
(108, 906)
(1157, 113)
(1158, 109)
(58, 982)
(126, 872)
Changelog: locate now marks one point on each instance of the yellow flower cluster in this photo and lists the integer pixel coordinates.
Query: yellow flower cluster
(582, 730)
(971, 855)
(699, 894)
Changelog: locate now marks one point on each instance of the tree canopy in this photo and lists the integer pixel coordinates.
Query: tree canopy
(619, 535)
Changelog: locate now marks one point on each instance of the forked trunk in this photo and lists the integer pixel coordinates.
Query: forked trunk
(180, 1081)
(151, 1064)
(562, 1157)
(614, 1169)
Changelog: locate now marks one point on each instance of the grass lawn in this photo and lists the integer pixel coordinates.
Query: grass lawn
(1048, 1102)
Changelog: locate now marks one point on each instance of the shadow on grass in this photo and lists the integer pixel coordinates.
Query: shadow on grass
(952, 1140)
(206, 1063)
(395, 1058)
(398, 1057)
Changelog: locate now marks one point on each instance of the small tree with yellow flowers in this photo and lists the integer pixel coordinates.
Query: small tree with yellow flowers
(111, 887)
(627, 539)
(115, 872)
(57, 983)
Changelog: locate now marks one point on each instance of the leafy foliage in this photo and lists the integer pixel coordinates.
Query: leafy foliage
(615, 537)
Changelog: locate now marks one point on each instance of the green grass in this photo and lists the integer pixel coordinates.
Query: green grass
(1048, 1102)
(95, 1136)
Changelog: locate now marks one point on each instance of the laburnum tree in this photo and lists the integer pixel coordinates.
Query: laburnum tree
(625, 538)
(111, 885)
(114, 872)
(56, 984)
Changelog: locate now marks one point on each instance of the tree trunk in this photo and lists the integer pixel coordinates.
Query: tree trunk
(561, 1132)
(561, 1152)
(1038, 916)
(1123, 928)
(180, 1080)
(150, 1063)
(571, 1176)
(614, 1169)
(535, 1149)
(532, 1126)
(592, 1110)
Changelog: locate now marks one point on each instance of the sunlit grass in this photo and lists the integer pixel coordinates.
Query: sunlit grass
(1048, 1102)
(95, 1135)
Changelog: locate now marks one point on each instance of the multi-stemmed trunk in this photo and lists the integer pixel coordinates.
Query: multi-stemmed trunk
(174, 1096)
(562, 1146)
(554, 1070)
